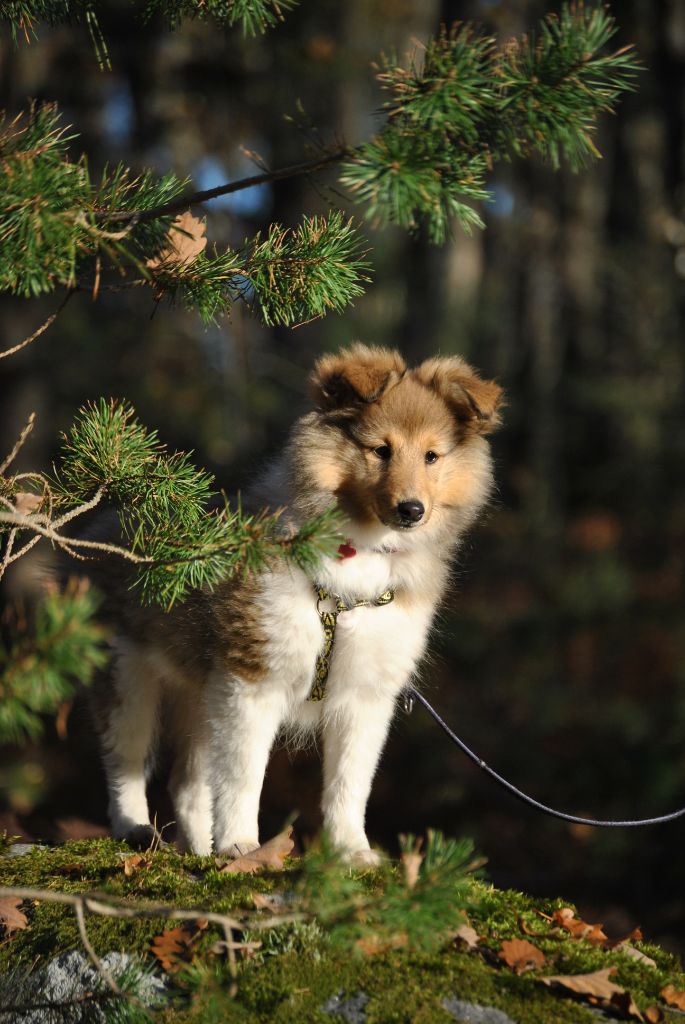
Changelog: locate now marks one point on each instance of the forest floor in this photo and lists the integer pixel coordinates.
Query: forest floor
(307, 943)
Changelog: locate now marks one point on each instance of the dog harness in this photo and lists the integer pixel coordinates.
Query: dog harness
(329, 621)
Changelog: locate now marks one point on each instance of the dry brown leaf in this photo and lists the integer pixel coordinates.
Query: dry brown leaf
(185, 241)
(25, 502)
(622, 1004)
(599, 990)
(635, 954)
(468, 936)
(69, 869)
(579, 929)
(270, 855)
(173, 948)
(653, 1015)
(12, 919)
(521, 955)
(134, 863)
(634, 936)
(596, 983)
(673, 997)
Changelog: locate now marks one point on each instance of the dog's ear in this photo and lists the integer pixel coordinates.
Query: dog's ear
(357, 375)
(475, 402)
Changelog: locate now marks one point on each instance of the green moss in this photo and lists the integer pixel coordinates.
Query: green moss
(298, 969)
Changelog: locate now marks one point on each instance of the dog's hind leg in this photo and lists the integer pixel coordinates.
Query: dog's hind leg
(189, 782)
(127, 718)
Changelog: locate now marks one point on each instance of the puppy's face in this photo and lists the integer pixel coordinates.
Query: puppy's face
(407, 446)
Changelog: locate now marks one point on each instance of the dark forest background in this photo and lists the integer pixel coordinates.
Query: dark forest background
(561, 653)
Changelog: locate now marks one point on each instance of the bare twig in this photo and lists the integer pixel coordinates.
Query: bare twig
(34, 523)
(7, 557)
(87, 506)
(87, 945)
(6, 463)
(41, 330)
(190, 199)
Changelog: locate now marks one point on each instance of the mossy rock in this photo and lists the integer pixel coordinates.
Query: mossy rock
(298, 974)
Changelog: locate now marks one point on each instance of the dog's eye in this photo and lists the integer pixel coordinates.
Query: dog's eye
(383, 452)
(431, 457)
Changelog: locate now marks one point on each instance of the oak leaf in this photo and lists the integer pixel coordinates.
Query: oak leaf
(12, 919)
(521, 955)
(599, 990)
(184, 242)
(578, 929)
(25, 502)
(174, 947)
(271, 855)
(134, 862)
(673, 997)
(653, 1015)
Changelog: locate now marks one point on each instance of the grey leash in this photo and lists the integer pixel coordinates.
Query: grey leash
(411, 695)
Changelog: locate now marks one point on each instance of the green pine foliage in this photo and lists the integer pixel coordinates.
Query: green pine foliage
(396, 908)
(253, 16)
(54, 227)
(162, 500)
(48, 225)
(450, 117)
(43, 659)
(467, 105)
(289, 276)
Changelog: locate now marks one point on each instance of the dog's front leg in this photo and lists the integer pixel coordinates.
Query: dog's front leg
(354, 733)
(245, 718)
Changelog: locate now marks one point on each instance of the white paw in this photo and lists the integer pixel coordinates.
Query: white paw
(362, 858)
(239, 848)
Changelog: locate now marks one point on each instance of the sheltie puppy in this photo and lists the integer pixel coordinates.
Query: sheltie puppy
(402, 453)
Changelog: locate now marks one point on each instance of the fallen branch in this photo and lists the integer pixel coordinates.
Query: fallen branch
(106, 907)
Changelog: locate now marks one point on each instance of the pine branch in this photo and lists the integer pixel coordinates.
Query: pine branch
(450, 118)
(290, 276)
(193, 198)
(468, 106)
(45, 659)
(253, 16)
(55, 221)
(173, 540)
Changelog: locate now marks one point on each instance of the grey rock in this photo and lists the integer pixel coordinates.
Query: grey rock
(19, 849)
(472, 1013)
(67, 978)
(351, 1010)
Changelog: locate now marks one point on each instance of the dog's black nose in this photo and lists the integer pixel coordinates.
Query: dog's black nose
(410, 511)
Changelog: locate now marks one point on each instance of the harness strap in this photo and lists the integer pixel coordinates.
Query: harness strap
(329, 621)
